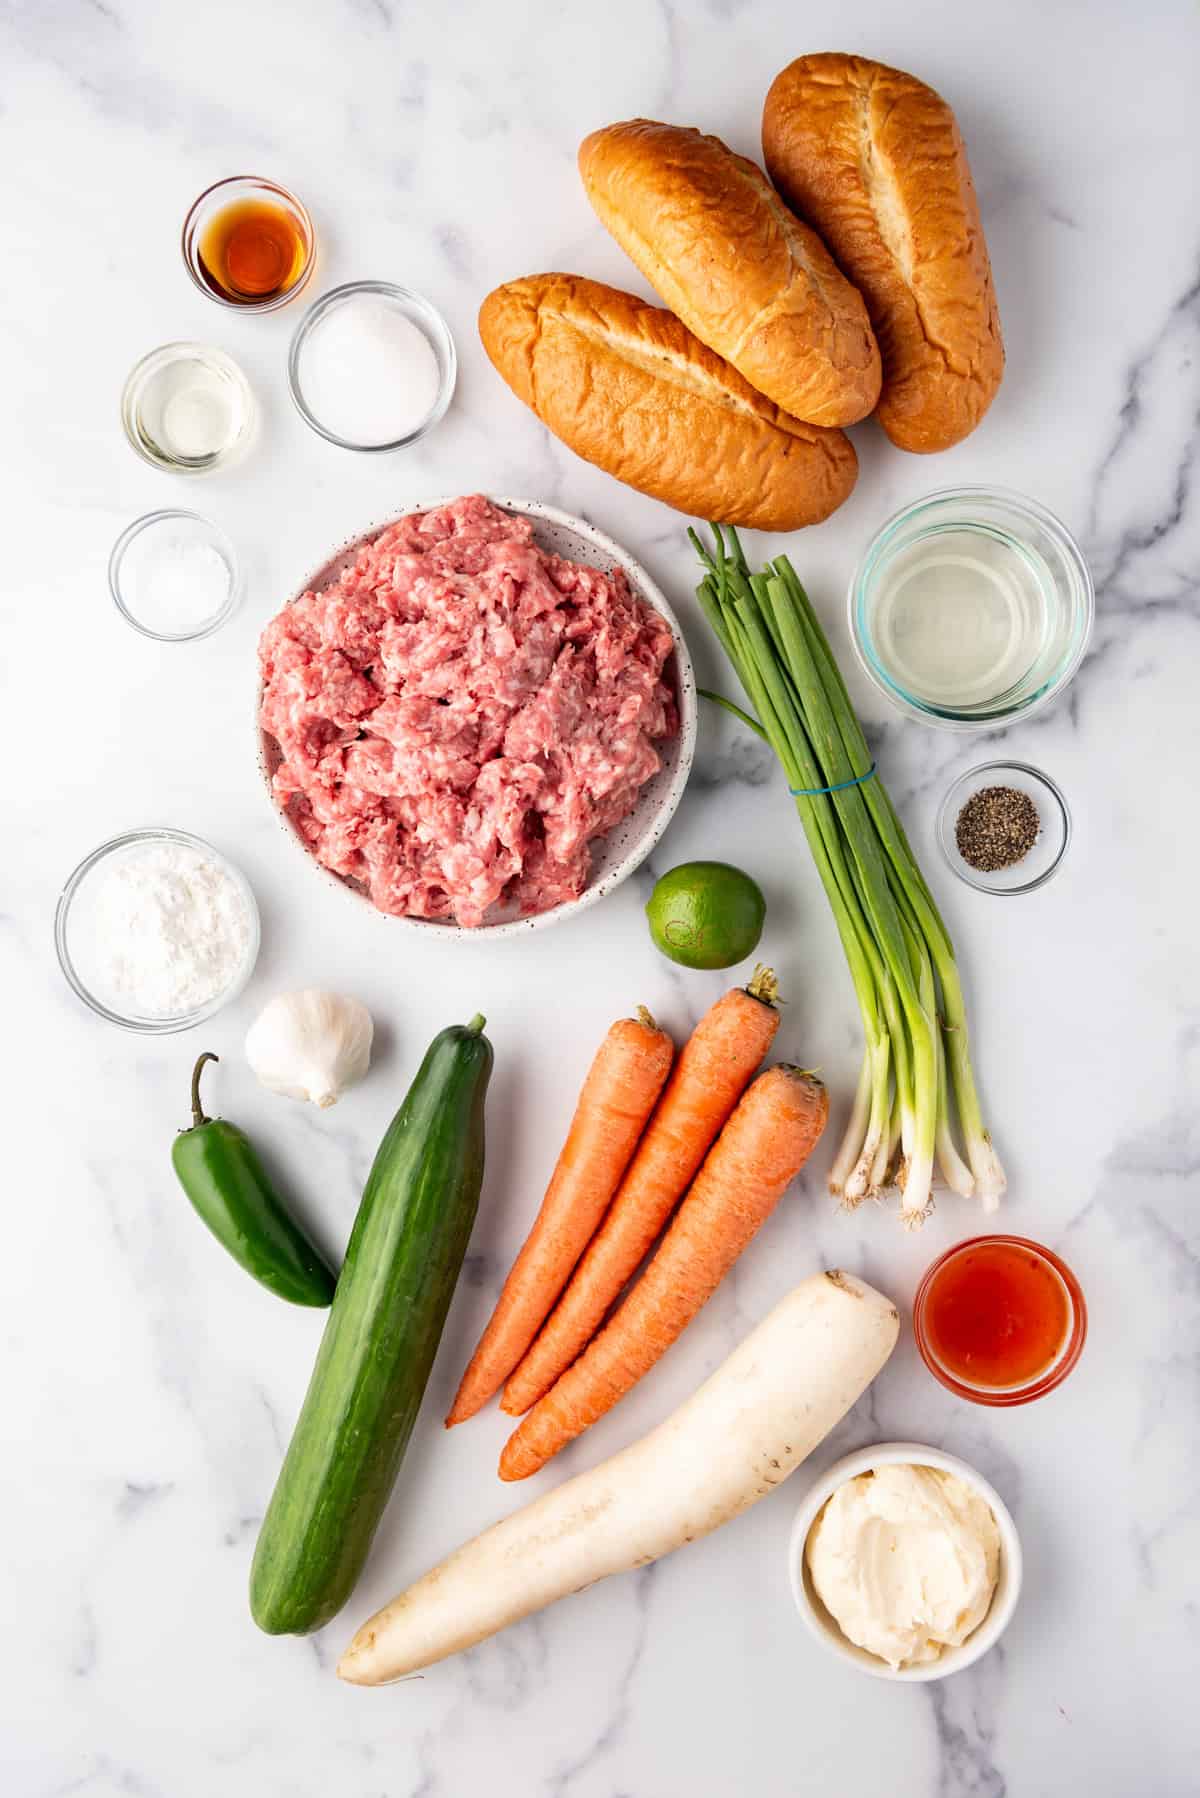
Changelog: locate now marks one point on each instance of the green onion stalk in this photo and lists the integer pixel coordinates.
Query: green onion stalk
(916, 1052)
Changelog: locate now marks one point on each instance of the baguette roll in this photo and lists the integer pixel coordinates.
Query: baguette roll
(873, 160)
(627, 387)
(747, 278)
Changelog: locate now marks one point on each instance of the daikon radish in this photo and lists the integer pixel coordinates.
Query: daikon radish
(745, 1430)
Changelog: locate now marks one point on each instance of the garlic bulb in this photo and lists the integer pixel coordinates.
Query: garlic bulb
(310, 1045)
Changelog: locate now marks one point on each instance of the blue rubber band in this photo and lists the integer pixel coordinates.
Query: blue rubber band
(838, 786)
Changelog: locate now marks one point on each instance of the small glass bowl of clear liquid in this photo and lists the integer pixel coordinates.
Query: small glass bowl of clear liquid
(188, 408)
(971, 608)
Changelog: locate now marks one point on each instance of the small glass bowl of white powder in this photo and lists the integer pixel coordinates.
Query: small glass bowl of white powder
(372, 366)
(156, 930)
(174, 576)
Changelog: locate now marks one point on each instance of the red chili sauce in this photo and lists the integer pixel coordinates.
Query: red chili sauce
(996, 1315)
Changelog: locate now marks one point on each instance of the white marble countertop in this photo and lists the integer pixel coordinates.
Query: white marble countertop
(149, 1386)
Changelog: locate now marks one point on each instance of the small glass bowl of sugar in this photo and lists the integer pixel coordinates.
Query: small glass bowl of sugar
(372, 366)
(174, 576)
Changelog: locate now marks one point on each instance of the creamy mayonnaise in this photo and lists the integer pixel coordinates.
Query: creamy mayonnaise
(905, 1560)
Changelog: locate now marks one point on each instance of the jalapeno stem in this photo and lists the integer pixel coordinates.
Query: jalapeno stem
(198, 1116)
(477, 1023)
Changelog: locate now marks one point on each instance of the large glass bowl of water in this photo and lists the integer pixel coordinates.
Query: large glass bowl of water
(971, 608)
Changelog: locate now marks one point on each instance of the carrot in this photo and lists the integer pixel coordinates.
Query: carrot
(763, 1146)
(721, 1056)
(620, 1092)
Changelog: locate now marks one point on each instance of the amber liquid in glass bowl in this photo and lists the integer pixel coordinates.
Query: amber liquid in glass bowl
(252, 250)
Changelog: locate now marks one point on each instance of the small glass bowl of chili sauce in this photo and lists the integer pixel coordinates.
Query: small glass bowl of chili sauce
(999, 1320)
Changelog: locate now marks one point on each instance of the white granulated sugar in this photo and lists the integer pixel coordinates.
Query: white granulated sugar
(170, 930)
(367, 373)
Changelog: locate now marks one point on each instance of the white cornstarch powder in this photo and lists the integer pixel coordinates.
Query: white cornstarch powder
(169, 930)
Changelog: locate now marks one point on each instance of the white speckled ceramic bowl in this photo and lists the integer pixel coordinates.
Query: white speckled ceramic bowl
(615, 856)
(823, 1627)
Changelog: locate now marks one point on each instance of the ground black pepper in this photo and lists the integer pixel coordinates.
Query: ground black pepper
(996, 828)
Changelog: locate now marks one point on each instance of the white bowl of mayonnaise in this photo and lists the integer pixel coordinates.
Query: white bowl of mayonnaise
(905, 1562)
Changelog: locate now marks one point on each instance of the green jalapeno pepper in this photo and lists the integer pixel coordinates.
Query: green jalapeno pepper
(219, 1169)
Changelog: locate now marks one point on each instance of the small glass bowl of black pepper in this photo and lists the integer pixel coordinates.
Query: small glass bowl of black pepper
(1004, 827)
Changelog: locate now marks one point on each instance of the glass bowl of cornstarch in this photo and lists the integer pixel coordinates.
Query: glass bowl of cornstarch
(156, 930)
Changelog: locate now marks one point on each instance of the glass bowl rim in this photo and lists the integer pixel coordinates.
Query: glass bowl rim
(447, 369)
(945, 717)
(1042, 1383)
(192, 219)
(134, 530)
(153, 833)
(137, 376)
(980, 883)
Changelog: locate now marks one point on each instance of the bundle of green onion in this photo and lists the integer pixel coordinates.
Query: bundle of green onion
(899, 952)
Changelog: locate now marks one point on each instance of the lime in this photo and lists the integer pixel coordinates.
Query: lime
(706, 914)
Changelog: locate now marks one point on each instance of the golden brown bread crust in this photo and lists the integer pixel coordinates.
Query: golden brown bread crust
(747, 278)
(873, 159)
(626, 385)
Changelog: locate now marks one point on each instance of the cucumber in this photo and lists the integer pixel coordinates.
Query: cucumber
(404, 1258)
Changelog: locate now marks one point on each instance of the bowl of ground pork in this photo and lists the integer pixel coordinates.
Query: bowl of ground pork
(478, 718)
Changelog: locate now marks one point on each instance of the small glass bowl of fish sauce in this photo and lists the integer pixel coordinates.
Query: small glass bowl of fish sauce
(1000, 1320)
(249, 244)
(971, 608)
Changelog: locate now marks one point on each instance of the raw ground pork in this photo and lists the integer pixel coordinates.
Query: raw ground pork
(460, 714)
